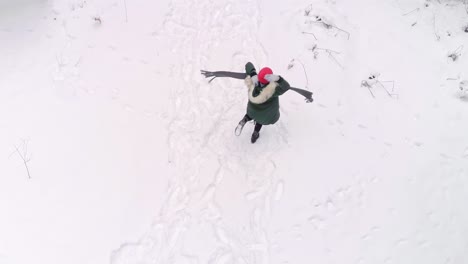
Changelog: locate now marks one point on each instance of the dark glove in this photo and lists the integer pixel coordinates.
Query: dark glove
(250, 69)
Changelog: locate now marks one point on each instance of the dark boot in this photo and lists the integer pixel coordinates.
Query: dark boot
(255, 136)
(241, 125)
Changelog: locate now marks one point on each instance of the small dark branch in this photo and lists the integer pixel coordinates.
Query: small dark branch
(314, 48)
(308, 10)
(364, 83)
(319, 20)
(309, 33)
(456, 54)
(326, 25)
(316, 53)
(97, 19)
(346, 32)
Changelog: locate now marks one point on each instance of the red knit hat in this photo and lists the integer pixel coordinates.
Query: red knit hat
(262, 73)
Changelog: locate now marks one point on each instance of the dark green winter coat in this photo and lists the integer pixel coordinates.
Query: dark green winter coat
(263, 105)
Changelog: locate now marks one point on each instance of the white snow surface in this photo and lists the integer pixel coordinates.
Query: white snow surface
(114, 149)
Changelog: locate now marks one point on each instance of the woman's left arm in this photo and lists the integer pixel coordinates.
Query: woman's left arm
(283, 86)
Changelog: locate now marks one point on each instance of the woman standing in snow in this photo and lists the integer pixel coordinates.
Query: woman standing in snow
(263, 92)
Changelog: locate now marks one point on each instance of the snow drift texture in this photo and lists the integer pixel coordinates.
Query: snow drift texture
(114, 149)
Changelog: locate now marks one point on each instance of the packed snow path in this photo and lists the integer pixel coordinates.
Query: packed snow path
(208, 160)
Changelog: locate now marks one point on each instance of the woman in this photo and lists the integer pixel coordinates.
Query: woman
(263, 92)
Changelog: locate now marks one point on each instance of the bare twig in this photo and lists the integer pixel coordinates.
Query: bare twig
(24, 156)
(330, 53)
(435, 31)
(366, 84)
(125, 5)
(349, 35)
(314, 48)
(327, 25)
(393, 88)
(373, 80)
(334, 58)
(393, 84)
(305, 72)
(455, 54)
(369, 88)
(309, 33)
(97, 19)
(328, 50)
(416, 9)
(291, 65)
(308, 10)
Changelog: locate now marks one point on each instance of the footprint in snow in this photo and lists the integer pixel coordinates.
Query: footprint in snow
(222, 236)
(208, 194)
(252, 195)
(129, 108)
(279, 190)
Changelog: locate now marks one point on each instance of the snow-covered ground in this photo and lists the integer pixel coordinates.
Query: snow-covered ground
(114, 149)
